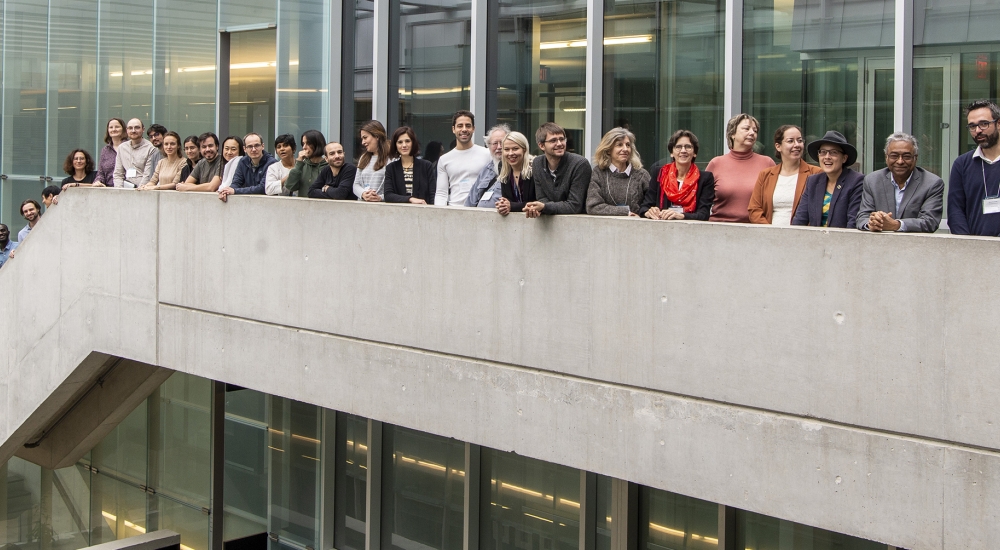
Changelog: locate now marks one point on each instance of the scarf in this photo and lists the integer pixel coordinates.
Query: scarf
(686, 196)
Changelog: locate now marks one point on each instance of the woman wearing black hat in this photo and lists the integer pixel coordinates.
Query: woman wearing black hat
(833, 198)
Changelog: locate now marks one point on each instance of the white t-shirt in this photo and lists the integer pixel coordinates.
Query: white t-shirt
(228, 172)
(457, 172)
(272, 179)
(784, 197)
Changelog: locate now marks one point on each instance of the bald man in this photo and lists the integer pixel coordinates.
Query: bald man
(135, 163)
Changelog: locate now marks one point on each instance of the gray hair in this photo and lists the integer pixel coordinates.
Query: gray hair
(505, 128)
(901, 136)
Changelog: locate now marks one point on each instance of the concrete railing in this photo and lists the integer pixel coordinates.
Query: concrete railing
(828, 377)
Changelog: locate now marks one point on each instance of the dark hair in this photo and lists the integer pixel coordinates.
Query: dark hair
(433, 151)
(68, 163)
(206, 135)
(30, 201)
(316, 140)
(461, 113)
(984, 104)
(400, 132)
(377, 131)
(548, 128)
(238, 140)
(678, 135)
(285, 139)
(107, 136)
(158, 128)
(191, 139)
(51, 191)
(779, 136)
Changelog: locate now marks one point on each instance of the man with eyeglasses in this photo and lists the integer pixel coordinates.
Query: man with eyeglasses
(902, 196)
(561, 178)
(251, 172)
(974, 186)
(155, 135)
(134, 165)
(458, 169)
(494, 142)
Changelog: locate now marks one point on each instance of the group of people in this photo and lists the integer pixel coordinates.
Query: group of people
(739, 186)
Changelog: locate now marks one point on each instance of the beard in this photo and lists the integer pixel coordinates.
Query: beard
(989, 140)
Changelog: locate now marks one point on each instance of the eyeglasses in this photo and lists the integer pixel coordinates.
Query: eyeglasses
(893, 157)
(830, 152)
(555, 140)
(684, 147)
(982, 125)
(254, 146)
(130, 128)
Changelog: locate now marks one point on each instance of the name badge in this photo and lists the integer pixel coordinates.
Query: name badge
(991, 206)
(678, 209)
(487, 195)
(130, 173)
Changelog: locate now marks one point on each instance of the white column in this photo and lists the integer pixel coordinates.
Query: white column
(380, 62)
(477, 69)
(902, 111)
(595, 76)
(733, 102)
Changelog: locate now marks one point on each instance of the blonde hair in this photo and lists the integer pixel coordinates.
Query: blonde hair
(602, 156)
(734, 123)
(505, 167)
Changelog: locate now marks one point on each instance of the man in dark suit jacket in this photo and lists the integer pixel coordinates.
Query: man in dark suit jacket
(901, 197)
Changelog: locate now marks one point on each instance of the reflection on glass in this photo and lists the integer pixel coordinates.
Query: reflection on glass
(664, 66)
(428, 482)
(190, 523)
(252, 77)
(603, 541)
(434, 69)
(184, 82)
(541, 69)
(535, 501)
(294, 441)
(122, 453)
(364, 37)
(801, 66)
(246, 12)
(352, 479)
(246, 470)
(766, 533)
(677, 522)
(72, 80)
(181, 440)
(118, 509)
(25, 84)
(303, 61)
(125, 67)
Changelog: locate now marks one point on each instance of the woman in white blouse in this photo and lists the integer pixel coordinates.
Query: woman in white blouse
(777, 191)
(369, 184)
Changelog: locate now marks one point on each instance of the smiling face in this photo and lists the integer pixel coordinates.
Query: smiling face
(831, 158)
(230, 150)
(192, 151)
(369, 142)
(170, 146)
(156, 138)
(29, 212)
(791, 145)
(495, 142)
(404, 145)
(134, 129)
(554, 145)
(79, 161)
(209, 149)
(4, 234)
(513, 154)
(683, 151)
(335, 155)
(463, 130)
(622, 151)
(901, 159)
(115, 129)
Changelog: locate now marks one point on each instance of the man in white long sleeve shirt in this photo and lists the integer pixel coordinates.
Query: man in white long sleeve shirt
(134, 165)
(458, 169)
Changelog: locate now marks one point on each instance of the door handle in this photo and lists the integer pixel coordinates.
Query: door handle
(945, 125)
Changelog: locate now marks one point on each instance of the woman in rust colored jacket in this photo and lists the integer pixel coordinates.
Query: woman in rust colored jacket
(778, 189)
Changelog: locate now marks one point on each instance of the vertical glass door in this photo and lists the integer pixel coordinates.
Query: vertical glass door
(253, 84)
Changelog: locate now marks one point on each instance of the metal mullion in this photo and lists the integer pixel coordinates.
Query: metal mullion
(218, 465)
(902, 114)
(594, 76)
(478, 66)
(472, 498)
(733, 53)
(380, 61)
(373, 487)
(588, 510)
(328, 479)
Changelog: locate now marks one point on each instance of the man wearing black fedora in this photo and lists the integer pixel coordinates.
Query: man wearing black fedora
(832, 198)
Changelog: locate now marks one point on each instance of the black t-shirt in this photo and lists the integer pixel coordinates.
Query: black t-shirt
(89, 178)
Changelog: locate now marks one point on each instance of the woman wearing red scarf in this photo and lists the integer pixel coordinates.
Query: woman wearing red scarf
(681, 191)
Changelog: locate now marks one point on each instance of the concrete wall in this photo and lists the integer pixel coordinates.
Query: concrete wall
(832, 378)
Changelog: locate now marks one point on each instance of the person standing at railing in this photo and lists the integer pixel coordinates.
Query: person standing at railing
(369, 185)
(458, 169)
(901, 197)
(832, 198)
(680, 191)
(516, 178)
(561, 178)
(277, 173)
(486, 178)
(134, 164)
(80, 167)
(408, 179)
(736, 172)
(336, 179)
(974, 186)
(251, 170)
(618, 182)
(6, 245)
(778, 189)
(207, 174)
(168, 171)
(309, 165)
(31, 211)
(233, 152)
(114, 134)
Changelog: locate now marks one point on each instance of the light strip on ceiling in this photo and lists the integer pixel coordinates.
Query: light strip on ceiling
(610, 41)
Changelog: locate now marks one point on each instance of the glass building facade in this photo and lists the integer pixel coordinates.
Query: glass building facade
(301, 477)
(655, 66)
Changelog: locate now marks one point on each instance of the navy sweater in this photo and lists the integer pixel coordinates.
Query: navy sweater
(966, 193)
(249, 179)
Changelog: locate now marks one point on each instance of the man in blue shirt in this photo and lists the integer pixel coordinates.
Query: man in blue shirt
(974, 187)
(250, 177)
(6, 245)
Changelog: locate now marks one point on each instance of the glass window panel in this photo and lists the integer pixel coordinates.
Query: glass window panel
(246, 469)
(364, 35)
(303, 67)
(603, 541)
(122, 453)
(664, 66)
(186, 33)
(19, 189)
(118, 510)
(69, 493)
(238, 13)
(25, 89)
(183, 450)
(21, 499)
(435, 47)
(541, 66)
(351, 482)
(759, 532)
(252, 83)
(669, 521)
(428, 491)
(294, 445)
(534, 504)
(190, 523)
(125, 67)
(72, 81)
(804, 63)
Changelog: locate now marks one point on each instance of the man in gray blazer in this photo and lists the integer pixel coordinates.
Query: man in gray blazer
(901, 197)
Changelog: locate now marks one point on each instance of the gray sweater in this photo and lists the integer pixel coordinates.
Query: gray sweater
(567, 192)
(610, 189)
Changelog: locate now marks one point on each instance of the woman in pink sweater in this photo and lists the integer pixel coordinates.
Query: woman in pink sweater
(736, 171)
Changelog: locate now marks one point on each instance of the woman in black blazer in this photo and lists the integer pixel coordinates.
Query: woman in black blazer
(838, 186)
(408, 179)
(679, 191)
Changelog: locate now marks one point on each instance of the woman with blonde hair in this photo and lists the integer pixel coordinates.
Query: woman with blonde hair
(369, 184)
(168, 169)
(736, 171)
(514, 183)
(618, 182)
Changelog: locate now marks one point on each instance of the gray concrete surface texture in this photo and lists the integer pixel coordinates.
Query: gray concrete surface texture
(829, 377)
